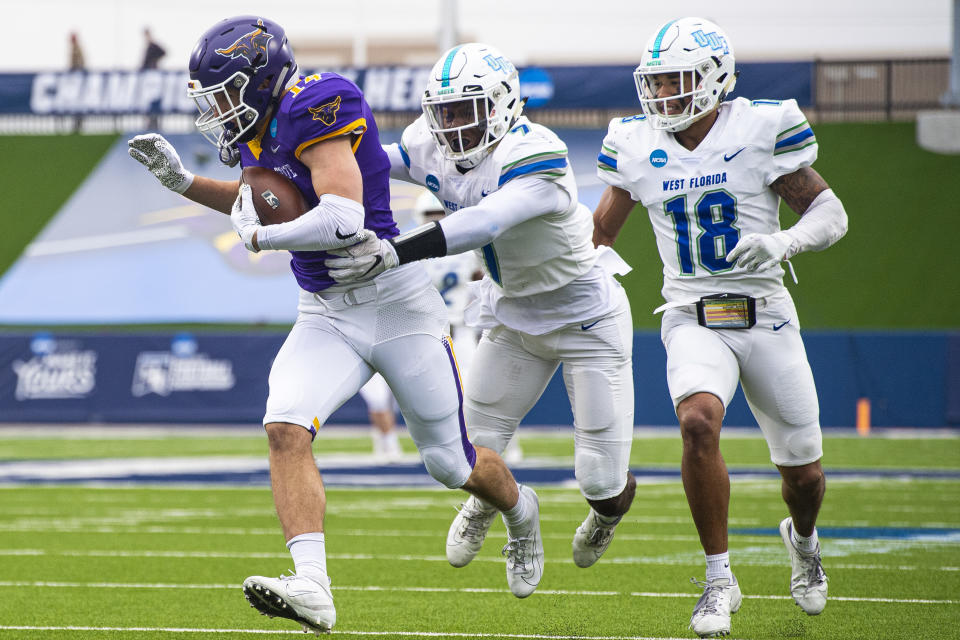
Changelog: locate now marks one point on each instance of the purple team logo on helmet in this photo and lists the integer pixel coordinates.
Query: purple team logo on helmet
(252, 46)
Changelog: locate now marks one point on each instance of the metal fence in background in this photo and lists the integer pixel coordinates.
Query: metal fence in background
(872, 90)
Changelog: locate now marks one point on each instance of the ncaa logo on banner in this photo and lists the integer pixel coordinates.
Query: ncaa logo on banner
(658, 158)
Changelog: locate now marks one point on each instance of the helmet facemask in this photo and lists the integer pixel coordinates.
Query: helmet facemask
(674, 99)
(460, 123)
(224, 116)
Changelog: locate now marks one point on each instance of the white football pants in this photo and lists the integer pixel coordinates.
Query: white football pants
(395, 325)
(769, 360)
(511, 369)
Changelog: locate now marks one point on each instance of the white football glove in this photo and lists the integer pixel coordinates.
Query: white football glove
(244, 218)
(362, 261)
(759, 251)
(154, 152)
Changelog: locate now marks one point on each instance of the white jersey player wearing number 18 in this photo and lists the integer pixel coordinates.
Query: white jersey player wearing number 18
(711, 175)
(548, 296)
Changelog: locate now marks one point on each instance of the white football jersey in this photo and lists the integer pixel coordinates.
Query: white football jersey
(540, 255)
(702, 202)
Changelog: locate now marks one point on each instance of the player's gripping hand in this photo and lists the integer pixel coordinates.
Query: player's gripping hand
(154, 152)
(759, 251)
(243, 217)
(362, 261)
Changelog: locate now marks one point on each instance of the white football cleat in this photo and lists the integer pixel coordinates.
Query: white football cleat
(467, 532)
(524, 551)
(711, 614)
(298, 598)
(808, 582)
(591, 540)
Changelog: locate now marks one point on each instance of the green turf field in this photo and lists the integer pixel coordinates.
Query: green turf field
(84, 563)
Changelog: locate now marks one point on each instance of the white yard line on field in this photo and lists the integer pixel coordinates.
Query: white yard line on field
(371, 588)
(413, 634)
(679, 560)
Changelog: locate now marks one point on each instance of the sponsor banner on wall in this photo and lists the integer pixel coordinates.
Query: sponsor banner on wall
(209, 378)
(154, 91)
(189, 378)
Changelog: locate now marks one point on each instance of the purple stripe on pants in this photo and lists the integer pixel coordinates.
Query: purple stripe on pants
(468, 449)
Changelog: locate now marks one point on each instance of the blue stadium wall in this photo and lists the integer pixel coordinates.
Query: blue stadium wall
(911, 379)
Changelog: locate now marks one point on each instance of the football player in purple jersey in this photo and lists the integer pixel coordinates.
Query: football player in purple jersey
(318, 131)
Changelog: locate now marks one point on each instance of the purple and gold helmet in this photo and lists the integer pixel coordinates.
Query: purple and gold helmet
(239, 68)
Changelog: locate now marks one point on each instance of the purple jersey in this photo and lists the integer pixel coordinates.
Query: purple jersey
(319, 107)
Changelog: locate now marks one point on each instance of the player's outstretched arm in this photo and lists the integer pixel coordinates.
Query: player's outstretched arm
(610, 215)
(823, 221)
(517, 201)
(154, 152)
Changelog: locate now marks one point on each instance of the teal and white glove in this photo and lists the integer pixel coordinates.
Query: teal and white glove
(362, 261)
(759, 251)
(243, 217)
(154, 152)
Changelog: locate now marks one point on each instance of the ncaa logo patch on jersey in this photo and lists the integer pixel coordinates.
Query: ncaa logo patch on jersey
(658, 158)
(432, 183)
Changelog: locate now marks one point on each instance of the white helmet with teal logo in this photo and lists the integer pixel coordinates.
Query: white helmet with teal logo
(471, 101)
(700, 53)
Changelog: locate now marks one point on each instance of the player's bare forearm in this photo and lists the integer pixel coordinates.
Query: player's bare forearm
(800, 188)
(610, 215)
(216, 194)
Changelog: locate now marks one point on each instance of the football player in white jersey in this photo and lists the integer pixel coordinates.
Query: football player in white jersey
(548, 296)
(452, 276)
(711, 175)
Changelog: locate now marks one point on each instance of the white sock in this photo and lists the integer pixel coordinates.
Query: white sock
(520, 512)
(805, 545)
(718, 566)
(309, 555)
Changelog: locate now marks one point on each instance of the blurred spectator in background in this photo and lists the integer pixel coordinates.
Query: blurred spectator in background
(153, 53)
(76, 53)
(382, 409)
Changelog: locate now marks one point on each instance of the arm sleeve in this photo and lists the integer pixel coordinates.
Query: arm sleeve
(517, 201)
(399, 162)
(821, 225)
(332, 224)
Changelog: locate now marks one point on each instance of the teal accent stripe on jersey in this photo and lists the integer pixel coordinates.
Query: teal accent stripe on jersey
(537, 167)
(794, 139)
(403, 154)
(659, 40)
(445, 75)
(536, 157)
(490, 258)
(605, 161)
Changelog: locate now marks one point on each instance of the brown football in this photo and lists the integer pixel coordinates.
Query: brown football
(275, 197)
